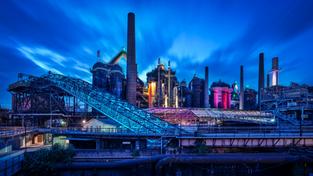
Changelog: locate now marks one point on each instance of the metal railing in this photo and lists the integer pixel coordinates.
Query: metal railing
(15, 131)
(199, 130)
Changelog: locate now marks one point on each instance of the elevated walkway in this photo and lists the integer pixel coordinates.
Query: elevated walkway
(127, 115)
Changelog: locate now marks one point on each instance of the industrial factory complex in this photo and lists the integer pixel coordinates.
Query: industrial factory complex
(161, 114)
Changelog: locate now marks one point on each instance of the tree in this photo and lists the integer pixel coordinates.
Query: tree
(44, 160)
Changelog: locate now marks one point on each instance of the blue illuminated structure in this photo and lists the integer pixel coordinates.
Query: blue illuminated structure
(129, 116)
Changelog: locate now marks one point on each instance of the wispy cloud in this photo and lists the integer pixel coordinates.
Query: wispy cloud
(79, 68)
(194, 47)
(34, 54)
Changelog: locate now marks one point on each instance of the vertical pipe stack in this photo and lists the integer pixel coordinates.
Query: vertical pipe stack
(131, 60)
(241, 98)
(206, 83)
(261, 78)
(275, 70)
(169, 85)
(159, 83)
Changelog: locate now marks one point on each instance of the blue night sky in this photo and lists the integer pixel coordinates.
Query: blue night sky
(63, 36)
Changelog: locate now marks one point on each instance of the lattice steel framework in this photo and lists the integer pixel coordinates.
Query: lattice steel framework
(129, 116)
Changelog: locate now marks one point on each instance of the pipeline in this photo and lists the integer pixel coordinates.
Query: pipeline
(230, 158)
(109, 165)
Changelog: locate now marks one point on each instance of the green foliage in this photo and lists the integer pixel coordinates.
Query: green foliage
(200, 146)
(135, 153)
(43, 161)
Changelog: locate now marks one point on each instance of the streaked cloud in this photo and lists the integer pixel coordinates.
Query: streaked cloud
(35, 54)
(193, 47)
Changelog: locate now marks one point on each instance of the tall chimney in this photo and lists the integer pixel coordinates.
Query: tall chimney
(241, 98)
(159, 95)
(131, 60)
(169, 85)
(275, 70)
(261, 78)
(206, 83)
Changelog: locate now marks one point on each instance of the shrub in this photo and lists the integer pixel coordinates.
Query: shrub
(44, 160)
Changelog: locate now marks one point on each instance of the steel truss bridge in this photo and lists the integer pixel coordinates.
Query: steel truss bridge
(127, 115)
(252, 137)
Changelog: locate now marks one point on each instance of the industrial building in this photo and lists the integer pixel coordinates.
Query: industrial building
(250, 96)
(109, 77)
(184, 94)
(162, 87)
(294, 101)
(199, 90)
(235, 96)
(220, 95)
(196, 87)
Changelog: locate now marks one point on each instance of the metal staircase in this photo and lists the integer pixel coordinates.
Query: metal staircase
(129, 116)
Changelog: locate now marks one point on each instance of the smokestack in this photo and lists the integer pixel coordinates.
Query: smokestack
(159, 83)
(241, 98)
(131, 60)
(206, 83)
(261, 78)
(169, 85)
(275, 70)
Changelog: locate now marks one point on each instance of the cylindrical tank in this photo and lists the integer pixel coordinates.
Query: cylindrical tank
(100, 74)
(116, 80)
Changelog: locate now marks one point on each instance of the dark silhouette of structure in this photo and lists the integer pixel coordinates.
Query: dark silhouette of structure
(131, 60)
(206, 85)
(185, 97)
(109, 77)
(249, 99)
(196, 87)
(261, 78)
(241, 98)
